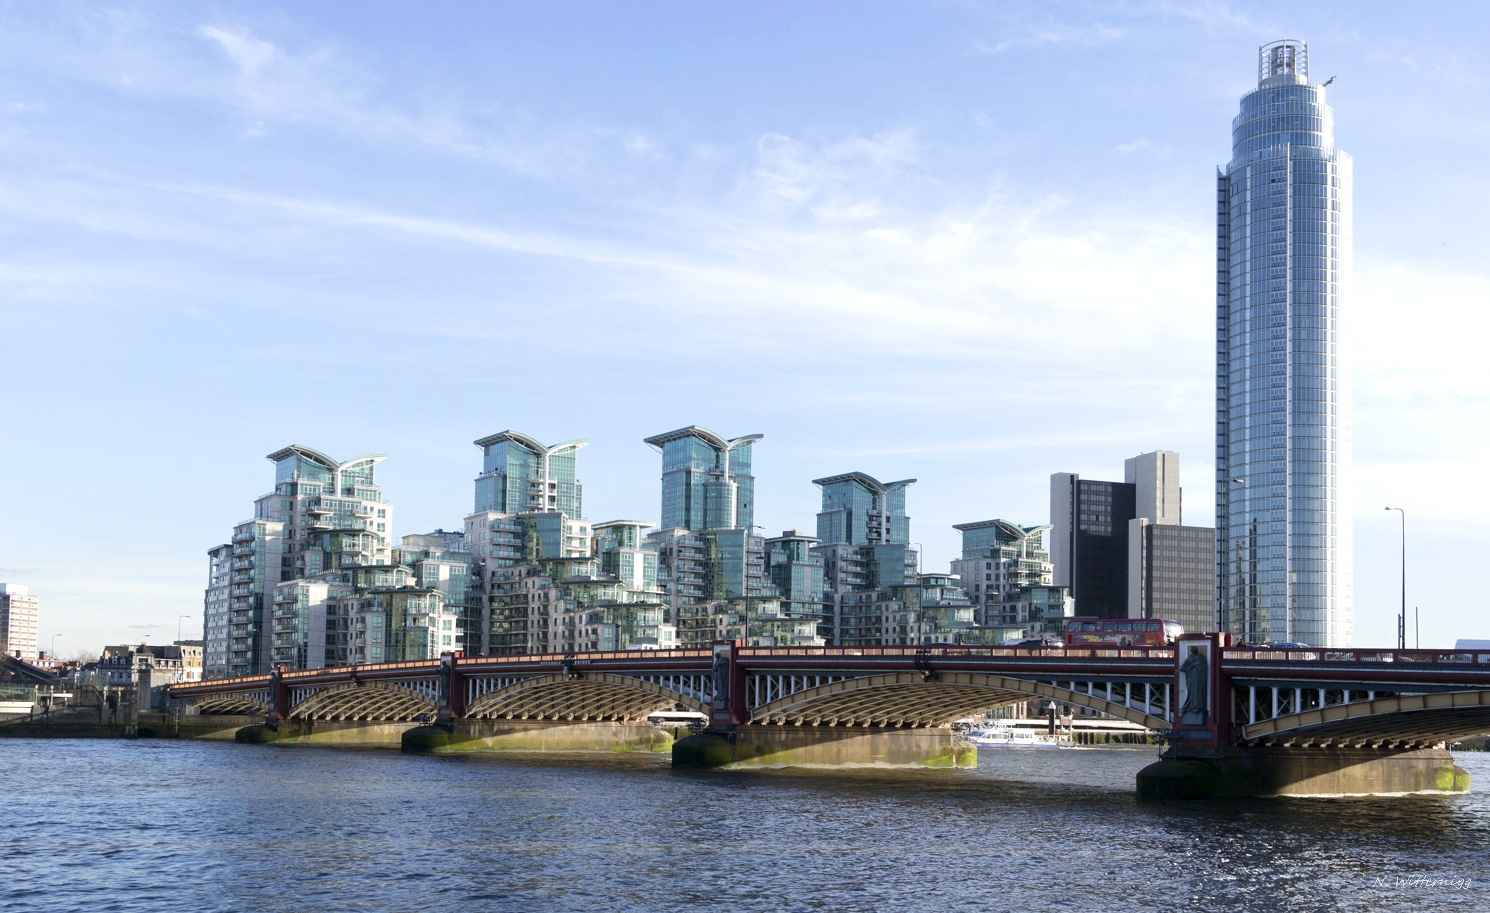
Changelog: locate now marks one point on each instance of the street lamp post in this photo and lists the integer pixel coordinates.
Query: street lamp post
(52, 653)
(1247, 619)
(1402, 618)
(178, 626)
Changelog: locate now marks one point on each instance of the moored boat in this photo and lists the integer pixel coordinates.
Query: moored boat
(1009, 737)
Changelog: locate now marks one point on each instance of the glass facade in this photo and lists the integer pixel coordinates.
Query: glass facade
(1283, 412)
(860, 510)
(706, 480)
(1006, 572)
(520, 475)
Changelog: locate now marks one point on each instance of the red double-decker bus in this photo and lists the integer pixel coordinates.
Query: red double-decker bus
(1122, 632)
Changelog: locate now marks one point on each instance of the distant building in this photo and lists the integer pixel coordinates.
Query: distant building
(796, 573)
(312, 580)
(542, 578)
(711, 566)
(706, 479)
(18, 616)
(873, 591)
(1007, 573)
(1089, 542)
(217, 608)
(860, 510)
(1172, 573)
(191, 659)
(121, 664)
(1121, 547)
(519, 475)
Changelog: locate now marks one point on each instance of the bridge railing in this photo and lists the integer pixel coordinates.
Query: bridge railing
(218, 684)
(430, 665)
(943, 651)
(587, 657)
(958, 651)
(1329, 655)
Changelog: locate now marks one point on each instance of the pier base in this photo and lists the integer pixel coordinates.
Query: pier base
(203, 726)
(328, 733)
(825, 746)
(536, 735)
(1244, 772)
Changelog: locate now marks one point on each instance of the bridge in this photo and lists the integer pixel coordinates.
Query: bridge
(1237, 721)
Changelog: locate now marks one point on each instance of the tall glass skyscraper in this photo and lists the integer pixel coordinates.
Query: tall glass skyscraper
(1283, 413)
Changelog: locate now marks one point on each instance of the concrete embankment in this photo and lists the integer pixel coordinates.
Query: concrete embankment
(63, 727)
(152, 725)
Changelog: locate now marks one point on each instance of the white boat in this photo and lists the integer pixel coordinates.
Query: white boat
(1009, 737)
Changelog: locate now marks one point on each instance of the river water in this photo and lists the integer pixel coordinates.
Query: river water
(162, 825)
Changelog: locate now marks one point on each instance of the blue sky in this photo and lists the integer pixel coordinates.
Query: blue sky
(967, 243)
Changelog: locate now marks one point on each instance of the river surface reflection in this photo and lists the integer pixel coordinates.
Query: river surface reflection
(152, 826)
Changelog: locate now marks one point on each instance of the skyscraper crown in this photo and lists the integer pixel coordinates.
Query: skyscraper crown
(1285, 57)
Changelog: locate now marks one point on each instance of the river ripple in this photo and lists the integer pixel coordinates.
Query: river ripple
(156, 826)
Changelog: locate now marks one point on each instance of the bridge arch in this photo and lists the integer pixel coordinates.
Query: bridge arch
(589, 696)
(906, 699)
(230, 705)
(364, 701)
(1405, 720)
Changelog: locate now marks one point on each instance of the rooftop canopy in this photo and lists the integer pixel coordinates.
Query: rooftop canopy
(868, 481)
(717, 441)
(530, 443)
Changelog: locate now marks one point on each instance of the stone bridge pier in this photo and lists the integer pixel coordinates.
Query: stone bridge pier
(1289, 735)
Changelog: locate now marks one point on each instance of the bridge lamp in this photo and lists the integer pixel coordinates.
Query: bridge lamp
(1247, 624)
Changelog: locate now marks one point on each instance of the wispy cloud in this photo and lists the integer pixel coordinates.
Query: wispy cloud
(1092, 24)
(818, 233)
(1141, 145)
(319, 87)
(1051, 33)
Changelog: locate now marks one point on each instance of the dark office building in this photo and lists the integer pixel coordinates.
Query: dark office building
(1089, 542)
(1122, 550)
